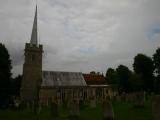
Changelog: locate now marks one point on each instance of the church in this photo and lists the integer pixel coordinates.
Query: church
(56, 86)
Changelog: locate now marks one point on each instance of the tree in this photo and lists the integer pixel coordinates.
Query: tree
(5, 75)
(15, 85)
(111, 76)
(123, 74)
(95, 73)
(143, 66)
(156, 60)
(136, 83)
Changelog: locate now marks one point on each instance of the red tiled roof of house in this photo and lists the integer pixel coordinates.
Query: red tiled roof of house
(92, 79)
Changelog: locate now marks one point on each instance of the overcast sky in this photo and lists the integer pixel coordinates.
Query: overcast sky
(81, 35)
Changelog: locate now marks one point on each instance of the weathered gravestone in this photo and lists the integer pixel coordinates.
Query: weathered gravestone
(93, 103)
(16, 103)
(108, 113)
(139, 99)
(32, 106)
(118, 98)
(74, 108)
(156, 107)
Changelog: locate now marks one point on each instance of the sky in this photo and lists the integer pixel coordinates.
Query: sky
(81, 35)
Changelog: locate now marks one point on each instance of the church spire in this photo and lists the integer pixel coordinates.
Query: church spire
(34, 36)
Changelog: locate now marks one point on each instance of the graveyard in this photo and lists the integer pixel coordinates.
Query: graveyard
(122, 111)
(97, 60)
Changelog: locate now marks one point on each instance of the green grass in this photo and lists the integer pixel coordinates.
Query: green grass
(123, 111)
(126, 111)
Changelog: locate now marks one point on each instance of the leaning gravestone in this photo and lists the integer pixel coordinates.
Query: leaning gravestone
(108, 113)
(156, 107)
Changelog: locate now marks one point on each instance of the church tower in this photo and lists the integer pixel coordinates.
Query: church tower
(32, 67)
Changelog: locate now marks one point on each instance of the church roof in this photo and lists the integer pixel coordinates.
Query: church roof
(57, 78)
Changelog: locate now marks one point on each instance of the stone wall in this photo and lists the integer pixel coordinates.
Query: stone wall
(61, 94)
(32, 72)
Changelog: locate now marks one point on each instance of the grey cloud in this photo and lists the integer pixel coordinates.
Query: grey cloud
(81, 35)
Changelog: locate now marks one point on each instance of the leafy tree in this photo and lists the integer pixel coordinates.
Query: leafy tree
(5, 75)
(123, 74)
(143, 66)
(111, 76)
(156, 60)
(136, 83)
(15, 85)
(95, 73)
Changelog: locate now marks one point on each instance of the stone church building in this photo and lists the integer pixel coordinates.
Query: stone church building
(56, 86)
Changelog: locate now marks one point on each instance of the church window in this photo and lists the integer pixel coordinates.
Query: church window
(32, 57)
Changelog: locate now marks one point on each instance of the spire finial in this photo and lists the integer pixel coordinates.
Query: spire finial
(34, 36)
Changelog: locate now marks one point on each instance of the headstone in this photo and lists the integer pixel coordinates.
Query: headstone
(139, 99)
(16, 103)
(108, 113)
(156, 107)
(74, 108)
(118, 98)
(93, 103)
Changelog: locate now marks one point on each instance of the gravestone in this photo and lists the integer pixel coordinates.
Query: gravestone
(16, 103)
(74, 108)
(118, 98)
(92, 103)
(156, 107)
(108, 113)
(139, 99)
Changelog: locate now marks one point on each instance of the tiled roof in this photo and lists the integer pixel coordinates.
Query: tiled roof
(94, 79)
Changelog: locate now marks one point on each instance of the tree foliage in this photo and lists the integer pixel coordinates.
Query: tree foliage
(156, 60)
(5, 75)
(143, 66)
(123, 74)
(15, 85)
(111, 76)
(136, 83)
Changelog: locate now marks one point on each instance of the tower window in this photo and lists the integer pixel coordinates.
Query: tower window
(32, 57)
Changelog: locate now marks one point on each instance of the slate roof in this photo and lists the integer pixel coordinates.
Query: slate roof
(57, 78)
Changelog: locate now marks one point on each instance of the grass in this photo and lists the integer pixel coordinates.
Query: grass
(122, 110)
(126, 111)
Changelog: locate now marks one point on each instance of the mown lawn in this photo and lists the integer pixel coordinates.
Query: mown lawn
(123, 111)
